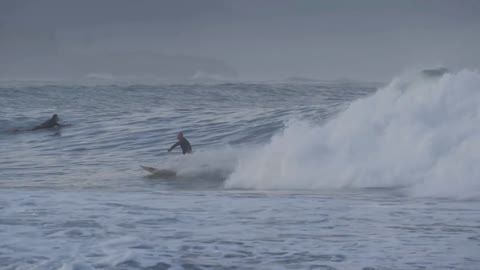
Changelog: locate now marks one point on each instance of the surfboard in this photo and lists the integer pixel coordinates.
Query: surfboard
(166, 173)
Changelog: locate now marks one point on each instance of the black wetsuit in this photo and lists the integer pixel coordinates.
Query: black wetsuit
(47, 124)
(184, 144)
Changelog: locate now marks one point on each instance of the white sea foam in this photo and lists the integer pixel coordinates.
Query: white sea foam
(420, 133)
(214, 165)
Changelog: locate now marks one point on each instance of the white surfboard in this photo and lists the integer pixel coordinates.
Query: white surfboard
(160, 172)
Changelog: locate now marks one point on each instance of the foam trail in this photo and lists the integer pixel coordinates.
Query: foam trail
(420, 133)
(215, 165)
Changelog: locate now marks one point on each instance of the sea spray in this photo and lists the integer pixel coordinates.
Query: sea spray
(420, 133)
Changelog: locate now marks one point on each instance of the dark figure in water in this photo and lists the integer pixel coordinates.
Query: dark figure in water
(52, 122)
(184, 144)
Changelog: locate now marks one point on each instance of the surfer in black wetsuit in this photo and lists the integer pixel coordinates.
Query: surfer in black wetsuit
(52, 122)
(184, 144)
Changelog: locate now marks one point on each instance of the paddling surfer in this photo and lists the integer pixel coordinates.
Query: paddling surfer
(50, 123)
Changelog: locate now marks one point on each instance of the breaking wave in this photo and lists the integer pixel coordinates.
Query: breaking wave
(419, 133)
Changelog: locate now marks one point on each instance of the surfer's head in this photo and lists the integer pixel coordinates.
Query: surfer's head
(179, 135)
(55, 117)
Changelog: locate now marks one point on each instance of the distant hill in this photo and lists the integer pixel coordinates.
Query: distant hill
(75, 65)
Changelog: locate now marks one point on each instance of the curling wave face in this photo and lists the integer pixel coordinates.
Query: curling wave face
(115, 128)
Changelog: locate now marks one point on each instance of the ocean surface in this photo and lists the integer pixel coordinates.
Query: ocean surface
(283, 175)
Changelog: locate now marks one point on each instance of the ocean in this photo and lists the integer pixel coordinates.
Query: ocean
(317, 175)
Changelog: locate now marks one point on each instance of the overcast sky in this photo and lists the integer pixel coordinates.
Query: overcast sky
(367, 40)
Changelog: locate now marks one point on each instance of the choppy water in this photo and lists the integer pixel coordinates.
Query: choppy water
(259, 191)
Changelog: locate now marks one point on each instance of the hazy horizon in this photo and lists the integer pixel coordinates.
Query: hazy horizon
(368, 40)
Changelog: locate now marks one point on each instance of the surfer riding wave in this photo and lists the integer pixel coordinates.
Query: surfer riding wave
(184, 144)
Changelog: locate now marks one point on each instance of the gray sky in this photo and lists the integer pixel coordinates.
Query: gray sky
(367, 40)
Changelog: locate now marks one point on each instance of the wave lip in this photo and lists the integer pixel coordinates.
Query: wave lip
(422, 134)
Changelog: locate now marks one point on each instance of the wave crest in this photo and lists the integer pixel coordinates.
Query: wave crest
(420, 133)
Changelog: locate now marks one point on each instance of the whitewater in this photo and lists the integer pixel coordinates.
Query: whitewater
(317, 175)
(417, 132)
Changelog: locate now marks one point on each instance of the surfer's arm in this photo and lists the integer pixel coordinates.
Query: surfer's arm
(173, 146)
